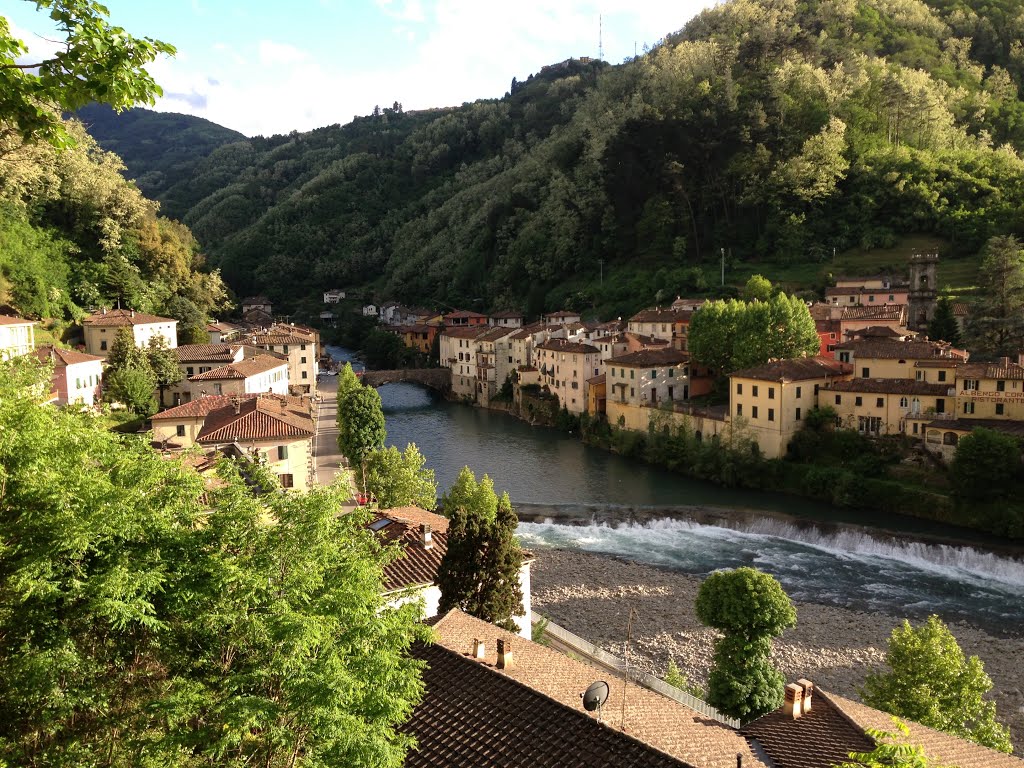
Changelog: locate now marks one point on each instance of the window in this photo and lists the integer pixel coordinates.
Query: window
(1000, 386)
(968, 407)
(188, 370)
(865, 373)
(798, 390)
(632, 373)
(999, 409)
(654, 374)
(753, 412)
(305, 375)
(891, 297)
(771, 393)
(919, 375)
(303, 348)
(880, 402)
(915, 427)
(858, 400)
(844, 357)
(739, 409)
(755, 390)
(303, 361)
(798, 414)
(286, 349)
(180, 430)
(839, 399)
(871, 298)
(942, 375)
(287, 480)
(103, 344)
(632, 392)
(817, 388)
(739, 388)
(940, 405)
(970, 384)
(671, 373)
(903, 402)
(771, 414)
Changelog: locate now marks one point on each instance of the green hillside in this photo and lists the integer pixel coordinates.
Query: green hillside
(164, 148)
(776, 130)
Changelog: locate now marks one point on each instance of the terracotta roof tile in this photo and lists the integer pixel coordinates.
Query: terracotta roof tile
(417, 515)
(648, 357)
(1004, 369)
(63, 357)
(416, 565)
(200, 407)
(242, 369)
(463, 314)
(475, 716)
(465, 332)
(563, 345)
(795, 369)
(653, 719)
(266, 417)
(883, 312)
(274, 339)
(891, 387)
(507, 315)
(122, 318)
(11, 320)
(495, 333)
(1006, 426)
(659, 315)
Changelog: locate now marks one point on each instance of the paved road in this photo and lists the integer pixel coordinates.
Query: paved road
(328, 458)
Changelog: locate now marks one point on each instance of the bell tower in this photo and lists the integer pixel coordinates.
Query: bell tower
(924, 291)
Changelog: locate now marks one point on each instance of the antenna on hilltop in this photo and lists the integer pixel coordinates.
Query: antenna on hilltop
(600, 38)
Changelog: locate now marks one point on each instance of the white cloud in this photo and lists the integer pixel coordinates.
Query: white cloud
(275, 54)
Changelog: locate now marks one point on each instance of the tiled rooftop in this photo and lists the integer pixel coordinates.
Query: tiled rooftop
(465, 332)
(1003, 369)
(563, 345)
(648, 357)
(62, 357)
(119, 318)
(475, 716)
(11, 320)
(653, 719)
(1006, 426)
(242, 369)
(891, 387)
(660, 315)
(901, 350)
(201, 407)
(882, 312)
(267, 417)
(796, 369)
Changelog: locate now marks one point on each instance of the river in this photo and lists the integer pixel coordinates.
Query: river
(574, 496)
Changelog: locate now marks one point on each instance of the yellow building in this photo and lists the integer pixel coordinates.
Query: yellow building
(194, 359)
(774, 398)
(101, 329)
(990, 390)
(17, 336)
(300, 350)
(487, 381)
(893, 359)
(179, 427)
(649, 377)
(657, 322)
(886, 406)
(458, 353)
(565, 367)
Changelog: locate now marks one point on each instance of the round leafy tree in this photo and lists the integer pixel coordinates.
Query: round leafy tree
(749, 608)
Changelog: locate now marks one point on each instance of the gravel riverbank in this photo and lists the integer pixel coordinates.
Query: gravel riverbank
(591, 595)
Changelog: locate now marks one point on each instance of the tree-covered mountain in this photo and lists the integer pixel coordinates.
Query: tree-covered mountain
(164, 147)
(775, 129)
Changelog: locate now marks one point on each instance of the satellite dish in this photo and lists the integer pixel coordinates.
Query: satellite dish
(595, 696)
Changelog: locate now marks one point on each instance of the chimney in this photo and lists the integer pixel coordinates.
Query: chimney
(132, 312)
(235, 401)
(426, 537)
(104, 310)
(1004, 362)
(808, 690)
(793, 705)
(504, 654)
(479, 649)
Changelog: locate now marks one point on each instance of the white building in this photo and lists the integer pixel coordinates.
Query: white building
(17, 336)
(101, 329)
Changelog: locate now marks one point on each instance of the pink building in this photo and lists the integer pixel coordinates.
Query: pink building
(77, 377)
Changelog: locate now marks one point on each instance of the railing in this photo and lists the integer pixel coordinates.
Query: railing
(562, 638)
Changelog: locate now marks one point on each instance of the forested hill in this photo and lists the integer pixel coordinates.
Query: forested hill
(775, 129)
(164, 148)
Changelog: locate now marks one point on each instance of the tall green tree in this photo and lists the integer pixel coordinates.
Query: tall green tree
(467, 493)
(750, 609)
(163, 362)
(400, 479)
(944, 326)
(147, 618)
(97, 62)
(997, 325)
(132, 387)
(757, 288)
(479, 573)
(360, 425)
(986, 466)
(931, 682)
(124, 353)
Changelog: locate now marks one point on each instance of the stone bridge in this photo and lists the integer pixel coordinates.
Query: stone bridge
(437, 379)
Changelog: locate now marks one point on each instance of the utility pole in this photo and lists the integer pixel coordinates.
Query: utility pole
(723, 267)
(600, 263)
(600, 38)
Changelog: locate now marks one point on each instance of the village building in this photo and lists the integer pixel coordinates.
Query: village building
(771, 400)
(464, 318)
(855, 296)
(855, 319)
(521, 345)
(423, 541)
(668, 731)
(101, 328)
(223, 332)
(886, 406)
(658, 322)
(563, 317)
(565, 367)
(597, 394)
(333, 296)
(816, 729)
(178, 428)
(943, 435)
(298, 347)
(17, 336)
(649, 377)
(278, 431)
(895, 359)
(990, 390)
(264, 373)
(370, 310)
(458, 353)
(688, 305)
(257, 310)
(77, 377)
(418, 336)
(506, 319)
(487, 381)
(194, 359)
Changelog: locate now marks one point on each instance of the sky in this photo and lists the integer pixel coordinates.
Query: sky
(272, 66)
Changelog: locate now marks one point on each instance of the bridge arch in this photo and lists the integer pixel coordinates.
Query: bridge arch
(437, 379)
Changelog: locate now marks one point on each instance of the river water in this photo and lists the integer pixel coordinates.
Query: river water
(573, 496)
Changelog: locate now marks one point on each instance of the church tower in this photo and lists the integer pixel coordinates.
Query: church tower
(924, 290)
